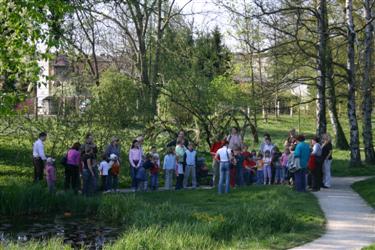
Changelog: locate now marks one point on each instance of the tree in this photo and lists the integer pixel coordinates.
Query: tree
(366, 86)
(28, 30)
(355, 155)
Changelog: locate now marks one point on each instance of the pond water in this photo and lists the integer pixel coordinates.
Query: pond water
(78, 232)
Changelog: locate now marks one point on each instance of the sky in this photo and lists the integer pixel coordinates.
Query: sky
(207, 15)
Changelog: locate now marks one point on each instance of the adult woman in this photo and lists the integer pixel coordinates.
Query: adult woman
(113, 148)
(135, 160)
(316, 171)
(88, 175)
(73, 161)
(301, 155)
(234, 139)
(327, 160)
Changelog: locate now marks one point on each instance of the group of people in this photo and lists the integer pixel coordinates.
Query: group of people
(234, 165)
(299, 164)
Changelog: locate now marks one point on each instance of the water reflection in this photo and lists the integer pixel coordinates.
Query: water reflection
(78, 232)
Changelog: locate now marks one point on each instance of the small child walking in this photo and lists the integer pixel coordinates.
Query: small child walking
(169, 166)
(267, 171)
(260, 165)
(104, 170)
(155, 172)
(50, 172)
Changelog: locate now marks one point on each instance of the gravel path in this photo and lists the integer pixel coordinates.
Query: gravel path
(350, 220)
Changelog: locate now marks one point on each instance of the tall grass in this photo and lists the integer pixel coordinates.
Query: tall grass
(254, 217)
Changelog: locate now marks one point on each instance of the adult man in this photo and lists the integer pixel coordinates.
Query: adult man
(39, 157)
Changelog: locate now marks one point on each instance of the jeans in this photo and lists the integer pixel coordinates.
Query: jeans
(179, 182)
(88, 182)
(224, 173)
(112, 182)
(38, 169)
(300, 180)
(192, 169)
(71, 178)
(51, 186)
(145, 183)
(216, 170)
(267, 171)
(154, 181)
(239, 176)
(260, 177)
(169, 173)
(105, 181)
(247, 175)
(279, 174)
(327, 173)
(133, 174)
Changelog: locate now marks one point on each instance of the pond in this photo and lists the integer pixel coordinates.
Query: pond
(77, 231)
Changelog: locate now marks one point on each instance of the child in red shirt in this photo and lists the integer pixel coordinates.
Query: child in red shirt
(154, 170)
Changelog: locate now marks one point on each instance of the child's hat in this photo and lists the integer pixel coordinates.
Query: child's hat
(113, 157)
(50, 160)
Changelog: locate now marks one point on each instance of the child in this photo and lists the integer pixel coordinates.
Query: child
(147, 165)
(104, 169)
(239, 169)
(154, 152)
(114, 165)
(191, 162)
(169, 166)
(284, 162)
(180, 153)
(260, 165)
(154, 172)
(267, 171)
(279, 172)
(247, 165)
(50, 172)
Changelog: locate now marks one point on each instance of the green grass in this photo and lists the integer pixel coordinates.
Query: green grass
(366, 189)
(249, 218)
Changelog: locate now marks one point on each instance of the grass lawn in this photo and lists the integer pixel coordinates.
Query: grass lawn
(249, 218)
(366, 189)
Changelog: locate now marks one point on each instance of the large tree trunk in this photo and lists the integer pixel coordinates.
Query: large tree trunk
(341, 142)
(366, 87)
(355, 155)
(321, 126)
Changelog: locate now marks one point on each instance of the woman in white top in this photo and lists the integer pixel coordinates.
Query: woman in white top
(234, 139)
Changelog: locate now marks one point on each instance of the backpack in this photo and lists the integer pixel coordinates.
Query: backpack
(115, 169)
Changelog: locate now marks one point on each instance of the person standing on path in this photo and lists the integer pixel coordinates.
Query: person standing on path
(191, 164)
(327, 160)
(316, 172)
(169, 166)
(39, 157)
(135, 160)
(180, 154)
(302, 153)
(224, 154)
(215, 162)
(73, 161)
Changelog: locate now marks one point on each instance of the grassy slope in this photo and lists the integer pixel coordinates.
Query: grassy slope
(366, 190)
(250, 218)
